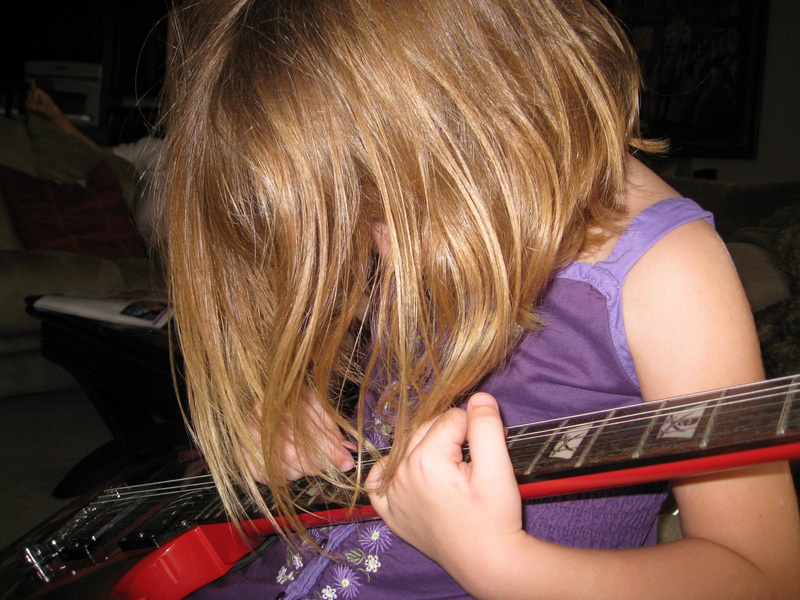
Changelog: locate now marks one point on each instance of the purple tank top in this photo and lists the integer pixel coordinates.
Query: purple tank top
(578, 362)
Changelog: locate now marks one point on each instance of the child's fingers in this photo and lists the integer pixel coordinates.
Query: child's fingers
(298, 462)
(449, 427)
(486, 435)
(447, 432)
(333, 441)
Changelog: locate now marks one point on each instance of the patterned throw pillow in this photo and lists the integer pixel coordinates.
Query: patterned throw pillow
(89, 219)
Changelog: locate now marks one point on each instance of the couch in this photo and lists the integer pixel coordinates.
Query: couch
(760, 224)
(102, 251)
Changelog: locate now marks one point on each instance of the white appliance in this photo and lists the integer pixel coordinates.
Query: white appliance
(74, 86)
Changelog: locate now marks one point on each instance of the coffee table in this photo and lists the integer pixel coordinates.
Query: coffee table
(127, 373)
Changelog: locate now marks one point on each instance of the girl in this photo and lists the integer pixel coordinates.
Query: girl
(439, 201)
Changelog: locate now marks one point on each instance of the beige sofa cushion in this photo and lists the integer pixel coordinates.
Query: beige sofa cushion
(764, 283)
(16, 153)
(29, 272)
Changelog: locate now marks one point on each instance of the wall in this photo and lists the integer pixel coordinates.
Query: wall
(778, 154)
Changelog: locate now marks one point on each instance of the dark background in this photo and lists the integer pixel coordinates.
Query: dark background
(127, 37)
(703, 66)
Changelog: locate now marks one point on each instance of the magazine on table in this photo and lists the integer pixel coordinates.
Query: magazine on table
(139, 307)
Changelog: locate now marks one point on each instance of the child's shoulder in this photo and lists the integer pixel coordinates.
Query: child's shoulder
(643, 189)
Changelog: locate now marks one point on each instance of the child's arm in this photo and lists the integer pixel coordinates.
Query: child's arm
(690, 329)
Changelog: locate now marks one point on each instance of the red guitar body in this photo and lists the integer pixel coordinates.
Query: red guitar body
(209, 551)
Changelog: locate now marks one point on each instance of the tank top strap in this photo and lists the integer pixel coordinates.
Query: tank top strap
(607, 276)
(646, 229)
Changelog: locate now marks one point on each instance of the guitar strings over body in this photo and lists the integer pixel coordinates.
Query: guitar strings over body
(443, 203)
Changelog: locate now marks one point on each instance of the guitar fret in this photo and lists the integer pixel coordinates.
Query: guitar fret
(784, 418)
(593, 438)
(786, 410)
(646, 434)
(516, 436)
(622, 435)
(753, 417)
(542, 448)
(709, 428)
(793, 417)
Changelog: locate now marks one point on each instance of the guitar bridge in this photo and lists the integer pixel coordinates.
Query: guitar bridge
(39, 561)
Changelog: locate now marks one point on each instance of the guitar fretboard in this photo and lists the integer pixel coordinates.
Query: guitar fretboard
(722, 421)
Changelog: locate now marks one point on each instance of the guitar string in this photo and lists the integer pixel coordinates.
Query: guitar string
(658, 409)
(205, 482)
(632, 415)
(143, 490)
(632, 436)
(627, 441)
(665, 407)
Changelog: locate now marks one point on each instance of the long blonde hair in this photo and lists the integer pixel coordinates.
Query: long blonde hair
(489, 136)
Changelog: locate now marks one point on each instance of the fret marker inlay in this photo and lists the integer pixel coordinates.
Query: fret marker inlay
(681, 424)
(568, 445)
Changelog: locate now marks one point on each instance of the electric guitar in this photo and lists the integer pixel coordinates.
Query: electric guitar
(163, 539)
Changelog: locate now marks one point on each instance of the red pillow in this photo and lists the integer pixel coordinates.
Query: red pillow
(94, 219)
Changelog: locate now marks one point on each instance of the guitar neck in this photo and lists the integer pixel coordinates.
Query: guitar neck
(752, 423)
(756, 422)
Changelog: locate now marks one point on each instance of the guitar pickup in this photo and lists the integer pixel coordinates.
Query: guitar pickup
(93, 528)
(178, 516)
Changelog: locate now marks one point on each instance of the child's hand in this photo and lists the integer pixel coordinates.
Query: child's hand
(449, 509)
(299, 464)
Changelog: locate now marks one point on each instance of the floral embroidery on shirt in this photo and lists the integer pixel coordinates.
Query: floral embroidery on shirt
(372, 564)
(284, 575)
(376, 537)
(345, 577)
(347, 581)
(329, 593)
(296, 557)
(376, 438)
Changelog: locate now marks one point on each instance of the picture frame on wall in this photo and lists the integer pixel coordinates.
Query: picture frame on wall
(702, 62)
